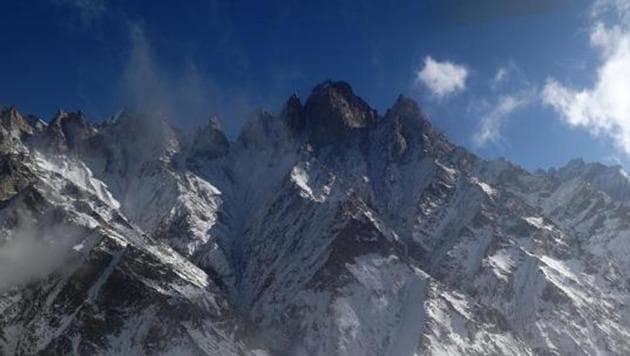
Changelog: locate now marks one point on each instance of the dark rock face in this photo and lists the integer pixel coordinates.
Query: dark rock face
(410, 129)
(210, 142)
(293, 114)
(333, 111)
(14, 176)
(68, 130)
(13, 124)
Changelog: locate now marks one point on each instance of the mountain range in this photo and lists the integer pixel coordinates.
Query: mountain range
(327, 228)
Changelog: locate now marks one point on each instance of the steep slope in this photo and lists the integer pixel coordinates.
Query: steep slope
(77, 277)
(142, 160)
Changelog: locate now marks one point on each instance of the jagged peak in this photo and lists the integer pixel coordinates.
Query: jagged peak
(406, 104)
(575, 167)
(293, 102)
(408, 109)
(71, 121)
(333, 110)
(293, 113)
(611, 179)
(409, 130)
(14, 123)
(209, 142)
(339, 86)
(335, 93)
(143, 126)
(263, 129)
(8, 111)
(214, 123)
(12, 110)
(74, 118)
(67, 129)
(576, 163)
(579, 166)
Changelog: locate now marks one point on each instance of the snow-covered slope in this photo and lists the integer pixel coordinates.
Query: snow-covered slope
(324, 229)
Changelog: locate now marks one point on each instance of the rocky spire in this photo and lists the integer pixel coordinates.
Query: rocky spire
(411, 129)
(293, 114)
(13, 122)
(68, 129)
(333, 111)
(210, 142)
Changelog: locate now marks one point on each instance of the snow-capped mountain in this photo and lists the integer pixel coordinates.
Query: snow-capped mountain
(324, 229)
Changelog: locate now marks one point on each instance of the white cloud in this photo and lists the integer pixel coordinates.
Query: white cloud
(442, 78)
(493, 119)
(603, 109)
(505, 74)
(500, 77)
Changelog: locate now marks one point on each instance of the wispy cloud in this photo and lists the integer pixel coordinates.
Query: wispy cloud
(182, 95)
(503, 75)
(182, 92)
(495, 116)
(144, 86)
(604, 108)
(509, 92)
(500, 77)
(442, 78)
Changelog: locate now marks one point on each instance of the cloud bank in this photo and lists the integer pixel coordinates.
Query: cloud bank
(442, 78)
(604, 108)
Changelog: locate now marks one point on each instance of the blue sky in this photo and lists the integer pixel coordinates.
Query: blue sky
(537, 81)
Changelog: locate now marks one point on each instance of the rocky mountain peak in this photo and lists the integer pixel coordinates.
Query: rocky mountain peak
(263, 130)
(68, 119)
(405, 106)
(410, 129)
(36, 123)
(13, 122)
(612, 180)
(144, 132)
(333, 111)
(408, 113)
(68, 129)
(293, 113)
(210, 142)
(214, 123)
